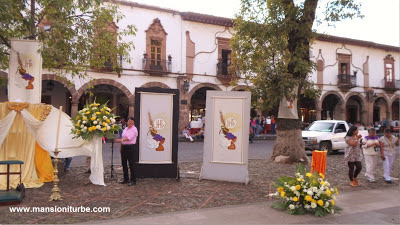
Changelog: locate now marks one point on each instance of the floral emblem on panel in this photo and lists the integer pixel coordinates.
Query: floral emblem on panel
(26, 76)
(229, 138)
(155, 140)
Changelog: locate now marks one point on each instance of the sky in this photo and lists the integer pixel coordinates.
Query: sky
(380, 24)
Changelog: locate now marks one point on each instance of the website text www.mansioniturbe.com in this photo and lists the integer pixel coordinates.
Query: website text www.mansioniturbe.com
(58, 209)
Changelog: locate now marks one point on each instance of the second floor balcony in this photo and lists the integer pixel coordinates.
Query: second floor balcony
(223, 69)
(157, 67)
(391, 85)
(346, 81)
(223, 73)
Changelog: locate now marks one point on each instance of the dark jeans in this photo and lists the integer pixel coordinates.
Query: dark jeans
(67, 163)
(273, 128)
(128, 156)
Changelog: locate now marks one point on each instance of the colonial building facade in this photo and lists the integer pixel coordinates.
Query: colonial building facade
(191, 52)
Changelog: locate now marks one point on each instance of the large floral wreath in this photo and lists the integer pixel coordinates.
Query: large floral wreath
(306, 192)
(94, 119)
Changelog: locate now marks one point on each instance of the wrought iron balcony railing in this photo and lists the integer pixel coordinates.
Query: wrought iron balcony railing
(346, 81)
(391, 85)
(156, 66)
(223, 69)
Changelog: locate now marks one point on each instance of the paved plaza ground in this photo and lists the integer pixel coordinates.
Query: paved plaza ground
(157, 196)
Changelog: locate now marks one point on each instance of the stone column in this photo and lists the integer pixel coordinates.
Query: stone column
(318, 109)
(320, 73)
(370, 112)
(340, 112)
(115, 103)
(131, 109)
(364, 116)
(184, 104)
(74, 107)
(388, 118)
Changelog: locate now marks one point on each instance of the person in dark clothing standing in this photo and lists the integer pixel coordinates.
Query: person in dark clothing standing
(128, 140)
(258, 127)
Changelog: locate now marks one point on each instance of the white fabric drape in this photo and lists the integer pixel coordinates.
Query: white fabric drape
(31, 122)
(5, 125)
(69, 146)
(45, 134)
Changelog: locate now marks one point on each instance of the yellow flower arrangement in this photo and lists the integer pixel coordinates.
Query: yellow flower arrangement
(306, 192)
(94, 119)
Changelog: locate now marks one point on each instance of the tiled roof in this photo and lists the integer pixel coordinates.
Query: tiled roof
(336, 39)
(228, 22)
(203, 18)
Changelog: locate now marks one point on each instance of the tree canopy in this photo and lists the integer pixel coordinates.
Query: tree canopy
(75, 35)
(272, 42)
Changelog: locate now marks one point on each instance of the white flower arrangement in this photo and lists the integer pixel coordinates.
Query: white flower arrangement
(306, 192)
(94, 119)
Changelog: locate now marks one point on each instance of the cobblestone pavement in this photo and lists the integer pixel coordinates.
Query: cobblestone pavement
(155, 196)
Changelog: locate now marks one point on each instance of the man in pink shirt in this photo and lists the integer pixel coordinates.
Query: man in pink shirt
(128, 140)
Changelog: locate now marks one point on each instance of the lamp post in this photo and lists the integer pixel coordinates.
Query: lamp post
(186, 86)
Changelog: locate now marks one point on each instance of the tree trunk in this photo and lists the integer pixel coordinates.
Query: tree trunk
(289, 146)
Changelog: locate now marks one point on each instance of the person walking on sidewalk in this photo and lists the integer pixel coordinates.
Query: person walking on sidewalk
(371, 150)
(352, 154)
(388, 141)
(128, 140)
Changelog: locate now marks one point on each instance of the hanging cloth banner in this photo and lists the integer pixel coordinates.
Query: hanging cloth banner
(288, 107)
(25, 72)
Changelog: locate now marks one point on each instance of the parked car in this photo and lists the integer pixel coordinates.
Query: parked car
(327, 135)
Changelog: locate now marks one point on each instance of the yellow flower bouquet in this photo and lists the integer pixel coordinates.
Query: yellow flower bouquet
(94, 119)
(306, 192)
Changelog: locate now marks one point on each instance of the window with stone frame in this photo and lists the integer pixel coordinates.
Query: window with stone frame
(156, 39)
(155, 52)
(224, 56)
(112, 28)
(389, 69)
(344, 74)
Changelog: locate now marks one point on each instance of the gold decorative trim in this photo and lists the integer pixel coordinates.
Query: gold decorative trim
(17, 106)
(45, 112)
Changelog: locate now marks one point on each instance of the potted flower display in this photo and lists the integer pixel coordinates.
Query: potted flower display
(94, 120)
(306, 192)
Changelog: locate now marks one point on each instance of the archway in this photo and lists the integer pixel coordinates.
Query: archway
(354, 109)
(308, 110)
(119, 91)
(155, 84)
(56, 94)
(106, 93)
(198, 103)
(395, 109)
(239, 88)
(381, 108)
(332, 107)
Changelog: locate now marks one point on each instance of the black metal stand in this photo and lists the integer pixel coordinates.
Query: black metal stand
(113, 176)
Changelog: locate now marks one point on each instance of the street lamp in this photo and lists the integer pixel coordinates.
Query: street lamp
(186, 86)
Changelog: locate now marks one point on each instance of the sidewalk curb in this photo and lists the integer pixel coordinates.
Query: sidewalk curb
(374, 206)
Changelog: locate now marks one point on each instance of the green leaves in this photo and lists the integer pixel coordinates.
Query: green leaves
(271, 46)
(76, 35)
